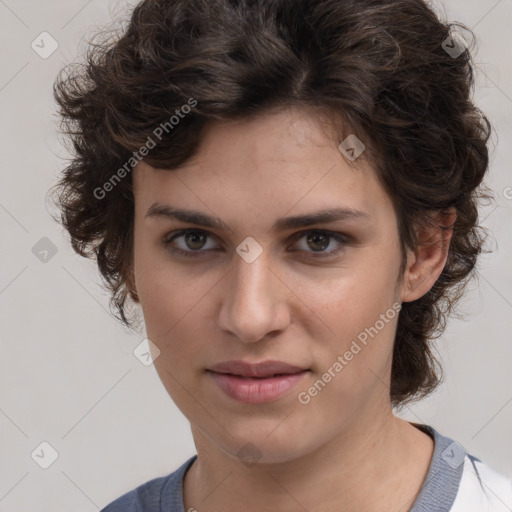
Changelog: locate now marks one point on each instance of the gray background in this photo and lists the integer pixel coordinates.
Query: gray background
(67, 372)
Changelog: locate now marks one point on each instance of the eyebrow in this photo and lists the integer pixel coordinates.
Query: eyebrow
(202, 219)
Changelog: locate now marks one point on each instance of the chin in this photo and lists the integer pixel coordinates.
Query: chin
(263, 443)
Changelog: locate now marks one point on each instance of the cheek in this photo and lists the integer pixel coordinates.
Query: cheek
(157, 289)
(172, 300)
(353, 347)
(357, 311)
(352, 297)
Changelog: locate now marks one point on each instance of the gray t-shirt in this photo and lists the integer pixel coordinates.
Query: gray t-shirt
(453, 483)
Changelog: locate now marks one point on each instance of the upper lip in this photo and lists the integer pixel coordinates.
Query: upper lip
(262, 369)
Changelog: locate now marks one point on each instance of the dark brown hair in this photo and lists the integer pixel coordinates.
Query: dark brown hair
(379, 68)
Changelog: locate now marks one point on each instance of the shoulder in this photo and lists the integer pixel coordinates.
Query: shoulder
(482, 489)
(162, 493)
(460, 482)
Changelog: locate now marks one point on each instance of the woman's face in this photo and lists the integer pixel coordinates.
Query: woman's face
(250, 291)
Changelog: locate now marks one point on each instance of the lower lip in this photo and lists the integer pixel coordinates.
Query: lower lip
(256, 391)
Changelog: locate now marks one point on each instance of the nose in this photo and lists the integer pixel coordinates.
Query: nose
(254, 301)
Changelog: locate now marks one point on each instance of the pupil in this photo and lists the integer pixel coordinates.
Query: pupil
(314, 237)
(191, 238)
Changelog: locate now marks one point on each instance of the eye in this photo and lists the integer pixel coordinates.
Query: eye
(319, 240)
(193, 240)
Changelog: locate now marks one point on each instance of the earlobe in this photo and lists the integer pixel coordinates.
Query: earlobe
(426, 262)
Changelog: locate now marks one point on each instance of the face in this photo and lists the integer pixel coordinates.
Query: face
(254, 289)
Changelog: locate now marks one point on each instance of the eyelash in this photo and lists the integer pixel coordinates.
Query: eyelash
(342, 239)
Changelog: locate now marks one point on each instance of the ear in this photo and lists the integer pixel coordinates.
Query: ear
(426, 262)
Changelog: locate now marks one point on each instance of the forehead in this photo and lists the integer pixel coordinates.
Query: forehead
(265, 166)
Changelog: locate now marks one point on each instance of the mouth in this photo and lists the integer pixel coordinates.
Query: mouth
(261, 370)
(266, 377)
(256, 384)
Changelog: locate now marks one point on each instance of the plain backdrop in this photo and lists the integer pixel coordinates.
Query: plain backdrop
(68, 376)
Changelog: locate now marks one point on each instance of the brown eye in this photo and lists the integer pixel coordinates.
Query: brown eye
(316, 243)
(195, 240)
(192, 241)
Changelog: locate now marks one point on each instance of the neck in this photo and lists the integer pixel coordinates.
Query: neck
(366, 466)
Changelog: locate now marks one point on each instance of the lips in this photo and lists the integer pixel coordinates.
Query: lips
(264, 369)
(257, 383)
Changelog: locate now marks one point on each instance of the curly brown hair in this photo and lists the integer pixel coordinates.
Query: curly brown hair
(380, 67)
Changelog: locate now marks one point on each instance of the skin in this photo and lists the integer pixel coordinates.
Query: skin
(345, 446)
